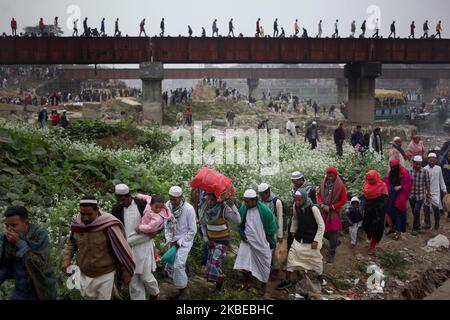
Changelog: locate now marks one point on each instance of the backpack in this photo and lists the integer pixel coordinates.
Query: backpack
(285, 212)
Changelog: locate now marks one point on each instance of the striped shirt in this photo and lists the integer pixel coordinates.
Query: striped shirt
(421, 184)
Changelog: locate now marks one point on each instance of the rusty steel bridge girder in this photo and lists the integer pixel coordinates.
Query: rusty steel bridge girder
(125, 50)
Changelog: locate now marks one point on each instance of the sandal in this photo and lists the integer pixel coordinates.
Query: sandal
(397, 236)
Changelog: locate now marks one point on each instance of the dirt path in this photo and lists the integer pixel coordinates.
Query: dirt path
(412, 271)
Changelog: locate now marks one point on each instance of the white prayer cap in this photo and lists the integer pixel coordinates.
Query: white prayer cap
(263, 187)
(432, 155)
(296, 175)
(355, 199)
(417, 159)
(314, 123)
(250, 194)
(396, 138)
(298, 193)
(122, 189)
(175, 191)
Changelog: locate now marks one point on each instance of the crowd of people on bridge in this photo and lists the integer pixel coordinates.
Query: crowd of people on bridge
(278, 30)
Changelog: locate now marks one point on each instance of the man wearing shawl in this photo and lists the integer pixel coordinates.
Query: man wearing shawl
(307, 229)
(298, 184)
(215, 216)
(129, 210)
(276, 206)
(415, 148)
(437, 185)
(180, 232)
(376, 144)
(399, 183)
(257, 230)
(375, 194)
(98, 239)
(397, 150)
(331, 198)
(25, 257)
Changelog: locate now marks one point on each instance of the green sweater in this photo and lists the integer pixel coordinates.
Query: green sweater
(269, 222)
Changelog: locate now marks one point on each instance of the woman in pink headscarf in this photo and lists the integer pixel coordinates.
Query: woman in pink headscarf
(331, 198)
(415, 148)
(399, 183)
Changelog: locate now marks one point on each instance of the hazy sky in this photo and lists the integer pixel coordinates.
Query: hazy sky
(179, 13)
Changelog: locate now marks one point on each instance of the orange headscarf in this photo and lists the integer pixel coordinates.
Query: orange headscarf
(374, 187)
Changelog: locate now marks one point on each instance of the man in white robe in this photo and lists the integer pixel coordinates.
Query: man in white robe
(180, 231)
(255, 253)
(437, 184)
(141, 244)
(291, 132)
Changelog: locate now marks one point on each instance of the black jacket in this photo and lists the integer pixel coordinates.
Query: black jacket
(117, 210)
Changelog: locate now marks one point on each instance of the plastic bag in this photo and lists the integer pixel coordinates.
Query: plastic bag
(212, 181)
(169, 256)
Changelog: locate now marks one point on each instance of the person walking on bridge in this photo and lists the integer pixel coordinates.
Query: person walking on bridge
(215, 30)
(392, 30)
(14, 27)
(319, 32)
(203, 32)
(438, 30)
(85, 27)
(142, 28)
(275, 28)
(296, 28)
(75, 28)
(190, 31)
(363, 30)
(102, 28)
(336, 30)
(425, 29)
(377, 29)
(258, 25)
(353, 29)
(162, 27)
(41, 26)
(412, 27)
(231, 28)
(116, 28)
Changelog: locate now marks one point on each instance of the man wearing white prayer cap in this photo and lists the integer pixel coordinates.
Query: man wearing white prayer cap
(180, 231)
(175, 191)
(420, 192)
(299, 183)
(437, 185)
(129, 210)
(258, 229)
(275, 205)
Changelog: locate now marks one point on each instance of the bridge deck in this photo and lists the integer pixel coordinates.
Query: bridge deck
(68, 50)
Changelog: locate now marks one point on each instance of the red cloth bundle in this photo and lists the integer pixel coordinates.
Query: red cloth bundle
(212, 181)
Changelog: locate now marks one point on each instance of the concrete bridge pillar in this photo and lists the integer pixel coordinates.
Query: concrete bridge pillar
(252, 86)
(342, 90)
(361, 90)
(428, 88)
(152, 74)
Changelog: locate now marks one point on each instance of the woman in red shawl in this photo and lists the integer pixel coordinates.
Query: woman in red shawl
(331, 198)
(375, 195)
(399, 183)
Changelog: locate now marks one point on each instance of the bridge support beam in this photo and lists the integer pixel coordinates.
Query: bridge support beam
(342, 90)
(252, 86)
(152, 74)
(361, 90)
(428, 88)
